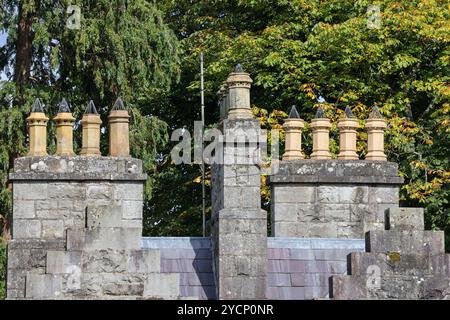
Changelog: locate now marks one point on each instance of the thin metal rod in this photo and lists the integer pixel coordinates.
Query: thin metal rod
(202, 89)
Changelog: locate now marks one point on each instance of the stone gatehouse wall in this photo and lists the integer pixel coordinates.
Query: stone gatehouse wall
(332, 198)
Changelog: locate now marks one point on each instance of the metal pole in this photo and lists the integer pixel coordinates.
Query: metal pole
(202, 89)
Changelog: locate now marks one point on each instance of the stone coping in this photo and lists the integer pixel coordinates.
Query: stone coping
(315, 243)
(77, 168)
(176, 243)
(272, 242)
(336, 172)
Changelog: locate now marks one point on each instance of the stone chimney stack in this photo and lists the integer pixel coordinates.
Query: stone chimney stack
(238, 224)
(37, 123)
(375, 136)
(320, 126)
(91, 131)
(119, 136)
(347, 136)
(64, 129)
(293, 126)
(239, 83)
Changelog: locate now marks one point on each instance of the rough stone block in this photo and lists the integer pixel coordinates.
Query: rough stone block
(241, 197)
(23, 209)
(162, 285)
(46, 204)
(144, 261)
(122, 285)
(243, 286)
(128, 191)
(99, 191)
(43, 286)
(353, 194)
(23, 229)
(16, 279)
(352, 230)
(62, 261)
(406, 242)
(241, 265)
(328, 194)
(69, 190)
(286, 212)
(29, 191)
(387, 194)
(104, 216)
(132, 209)
(202, 292)
(405, 219)
(294, 194)
(335, 212)
(52, 229)
(104, 238)
(105, 261)
(315, 230)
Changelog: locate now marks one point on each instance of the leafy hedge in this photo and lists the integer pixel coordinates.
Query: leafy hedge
(2, 271)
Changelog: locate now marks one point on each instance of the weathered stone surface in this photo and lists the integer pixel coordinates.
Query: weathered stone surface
(95, 191)
(144, 261)
(61, 261)
(132, 209)
(104, 216)
(104, 238)
(24, 229)
(162, 285)
(105, 261)
(346, 197)
(23, 209)
(406, 242)
(30, 191)
(43, 286)
(52, 229)
(405, 219)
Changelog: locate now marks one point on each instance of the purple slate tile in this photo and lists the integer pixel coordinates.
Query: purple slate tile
(278, 280)
(277, 253)
(198, 254)
(186, 265)
(317, 279)
(336, 267)
(316, 293)
(272, 293)
(298, 279)
(332, 255)
(197, 279)
(285, 266)
(203, 292)
(301, 254)
(290, 293)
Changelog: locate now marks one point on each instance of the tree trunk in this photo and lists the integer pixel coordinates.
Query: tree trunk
(23, 46)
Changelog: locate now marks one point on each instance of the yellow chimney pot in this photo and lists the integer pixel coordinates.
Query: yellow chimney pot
(119, 136)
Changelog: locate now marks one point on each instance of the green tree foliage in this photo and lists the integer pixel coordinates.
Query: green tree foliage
(324, 52)
(122, 48)
(2, 271)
